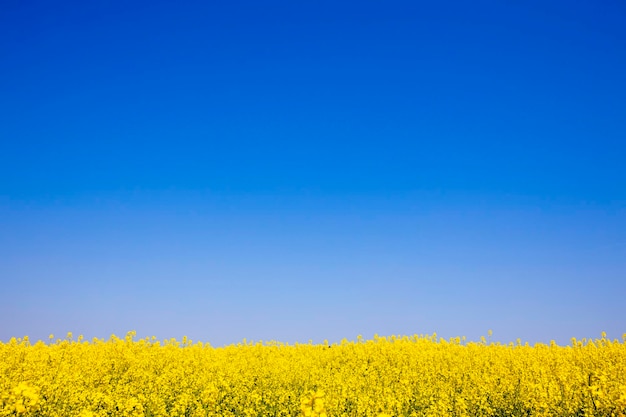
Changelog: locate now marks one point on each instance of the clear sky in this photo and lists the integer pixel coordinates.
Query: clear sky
(317, 170)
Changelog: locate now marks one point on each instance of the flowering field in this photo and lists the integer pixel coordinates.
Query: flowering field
(395, 376)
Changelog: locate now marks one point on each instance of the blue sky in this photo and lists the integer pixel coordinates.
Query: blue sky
(313, 170)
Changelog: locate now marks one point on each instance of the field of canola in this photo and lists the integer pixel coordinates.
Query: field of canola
(392, 376)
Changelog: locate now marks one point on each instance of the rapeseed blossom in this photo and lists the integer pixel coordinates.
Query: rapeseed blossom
(416, 376)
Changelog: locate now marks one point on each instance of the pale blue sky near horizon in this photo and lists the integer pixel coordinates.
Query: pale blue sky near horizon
(313, 171)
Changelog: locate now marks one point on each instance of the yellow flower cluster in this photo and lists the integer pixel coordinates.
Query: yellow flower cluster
(415, 376)
(312, 404)
(19, 400)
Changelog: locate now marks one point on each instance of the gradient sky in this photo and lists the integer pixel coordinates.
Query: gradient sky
(310, 170)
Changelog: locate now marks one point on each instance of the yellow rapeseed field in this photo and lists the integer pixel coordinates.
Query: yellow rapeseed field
(389, 376)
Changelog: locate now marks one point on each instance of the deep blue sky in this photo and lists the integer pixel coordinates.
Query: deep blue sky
(313, 169)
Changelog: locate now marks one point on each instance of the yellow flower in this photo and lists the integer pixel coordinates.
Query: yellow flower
(386, 376)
